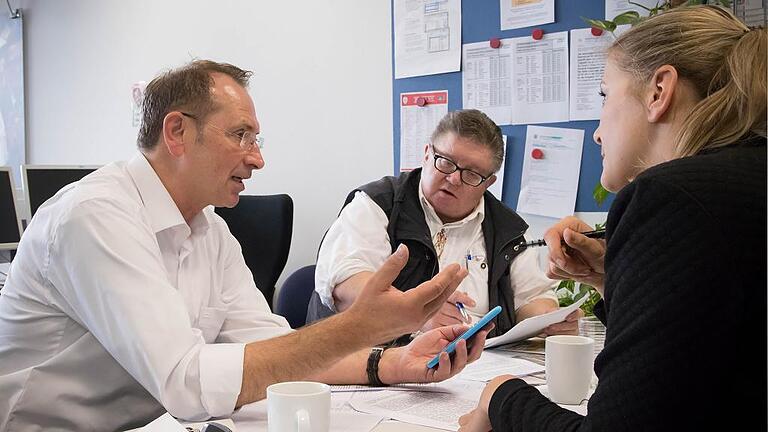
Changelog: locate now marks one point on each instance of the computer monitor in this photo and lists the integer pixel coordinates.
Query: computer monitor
(10, 222)
(43, 181)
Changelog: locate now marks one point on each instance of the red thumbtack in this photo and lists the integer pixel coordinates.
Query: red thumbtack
(537, 154)
(495, 43)
(537, 34)
(420, 101)
(596, 31)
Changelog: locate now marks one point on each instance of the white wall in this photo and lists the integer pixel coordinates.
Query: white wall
(321, 85)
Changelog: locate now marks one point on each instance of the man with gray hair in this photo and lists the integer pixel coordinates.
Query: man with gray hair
(444, 214)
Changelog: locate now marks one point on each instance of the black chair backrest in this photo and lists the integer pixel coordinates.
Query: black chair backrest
(263, 224)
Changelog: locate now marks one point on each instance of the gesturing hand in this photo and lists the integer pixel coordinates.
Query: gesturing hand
(384, 312)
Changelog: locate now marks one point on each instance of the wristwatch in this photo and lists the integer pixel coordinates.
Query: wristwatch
(372, 369)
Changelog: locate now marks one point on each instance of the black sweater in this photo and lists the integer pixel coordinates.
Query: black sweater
(684, 306)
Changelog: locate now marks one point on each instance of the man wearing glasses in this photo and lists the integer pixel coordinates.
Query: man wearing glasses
(444, 215)
(128, 295)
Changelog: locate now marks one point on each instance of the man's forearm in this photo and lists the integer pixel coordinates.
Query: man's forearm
(536, 307)
(345, 293)
(300, 355)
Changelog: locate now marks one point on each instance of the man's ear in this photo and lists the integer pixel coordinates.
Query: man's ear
(173, 133)
(661, 92)
(490, 181)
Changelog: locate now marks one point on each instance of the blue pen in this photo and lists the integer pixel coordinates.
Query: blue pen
(460, 307)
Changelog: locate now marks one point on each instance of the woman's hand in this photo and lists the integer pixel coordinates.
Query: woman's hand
(478, 419)
(574, 256)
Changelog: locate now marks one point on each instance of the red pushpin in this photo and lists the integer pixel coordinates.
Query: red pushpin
(537, 154)
(495, 43)
(596, 31)
(420, 101)
(537, 34)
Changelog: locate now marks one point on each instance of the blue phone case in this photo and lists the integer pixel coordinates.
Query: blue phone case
(466, 335)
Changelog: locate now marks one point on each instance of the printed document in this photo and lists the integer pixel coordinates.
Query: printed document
(417, 124)
(588, 54)
(427, 37)
(492, 364)
(551, 168)
(526, 13)
(540, 77)
(438, 410)
(486, 82)
(532, 326)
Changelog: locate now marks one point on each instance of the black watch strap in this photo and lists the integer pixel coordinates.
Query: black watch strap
(372, 369)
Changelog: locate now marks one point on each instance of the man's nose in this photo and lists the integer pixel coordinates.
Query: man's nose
(255, 159)
(455, 178)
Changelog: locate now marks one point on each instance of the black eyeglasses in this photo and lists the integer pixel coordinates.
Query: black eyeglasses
(447, 166)
(249, 141)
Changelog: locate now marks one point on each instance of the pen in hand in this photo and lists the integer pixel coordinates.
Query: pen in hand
(460, 306)
(596, 234)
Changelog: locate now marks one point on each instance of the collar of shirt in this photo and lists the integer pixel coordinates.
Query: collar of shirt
(162, 210)
(434, 222)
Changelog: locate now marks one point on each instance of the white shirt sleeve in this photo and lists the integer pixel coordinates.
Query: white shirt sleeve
(356, 242)
(116, 287)
(249, 317)
(529, 281)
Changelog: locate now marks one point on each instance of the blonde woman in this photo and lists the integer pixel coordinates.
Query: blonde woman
(683, 268)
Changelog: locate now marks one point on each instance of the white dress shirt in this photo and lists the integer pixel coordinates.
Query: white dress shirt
(114, 303)
(358, 241)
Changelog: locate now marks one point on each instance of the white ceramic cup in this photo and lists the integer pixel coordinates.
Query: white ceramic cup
(568, 361)
(298, 406)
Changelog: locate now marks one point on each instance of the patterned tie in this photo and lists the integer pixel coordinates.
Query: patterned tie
(440, 239)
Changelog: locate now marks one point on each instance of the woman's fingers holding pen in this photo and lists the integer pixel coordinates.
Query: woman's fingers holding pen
(554, 237)
(571, 253)
(591, 252)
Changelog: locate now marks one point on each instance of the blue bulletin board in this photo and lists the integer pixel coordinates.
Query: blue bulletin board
(480, 21)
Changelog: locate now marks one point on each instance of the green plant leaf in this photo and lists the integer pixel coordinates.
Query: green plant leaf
(628, 17)
(600, 194)
(601, 24)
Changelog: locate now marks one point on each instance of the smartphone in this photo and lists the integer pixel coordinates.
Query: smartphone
(466, 335)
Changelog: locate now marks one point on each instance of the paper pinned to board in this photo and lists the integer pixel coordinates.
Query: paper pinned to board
(427, 37)
(526, 13)
(534, 325)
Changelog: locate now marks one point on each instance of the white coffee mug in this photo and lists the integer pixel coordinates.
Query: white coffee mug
(568, 361)
(298, 406)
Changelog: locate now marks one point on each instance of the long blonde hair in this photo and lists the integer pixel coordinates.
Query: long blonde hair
(723, 59)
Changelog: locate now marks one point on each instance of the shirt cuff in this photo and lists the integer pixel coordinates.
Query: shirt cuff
(339, 275)
(221, 377)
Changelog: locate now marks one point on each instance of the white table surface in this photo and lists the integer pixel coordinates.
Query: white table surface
(253, 417)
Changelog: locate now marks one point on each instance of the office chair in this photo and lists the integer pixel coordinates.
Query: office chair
(294, 296)
(263, 225)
